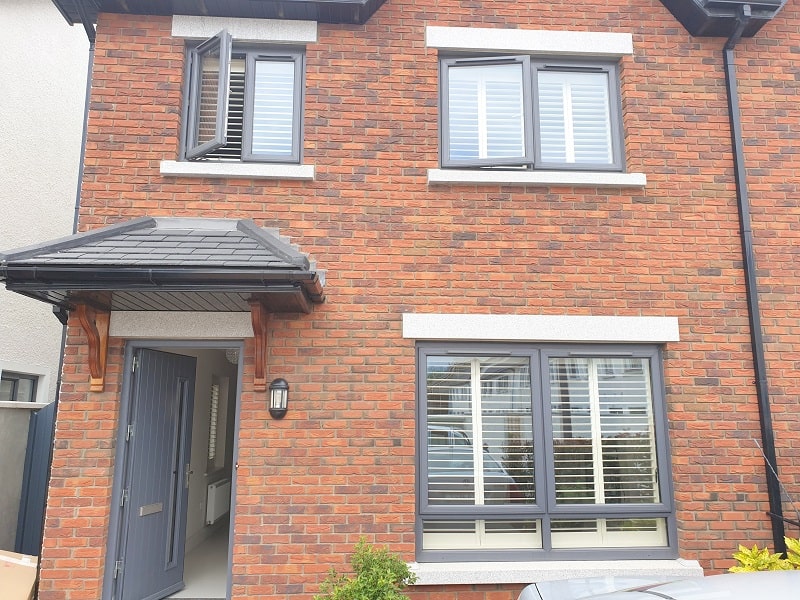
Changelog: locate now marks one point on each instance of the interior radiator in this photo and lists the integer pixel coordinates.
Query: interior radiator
(218, 502)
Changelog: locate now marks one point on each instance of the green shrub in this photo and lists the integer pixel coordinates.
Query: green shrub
(378, 575)
(760, 559)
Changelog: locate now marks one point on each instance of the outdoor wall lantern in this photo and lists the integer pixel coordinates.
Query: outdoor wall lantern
(278, 398)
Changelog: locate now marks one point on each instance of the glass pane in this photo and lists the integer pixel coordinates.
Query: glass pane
(209, 93)
(485, 118)
(472, 535)
(574, 117)
(608, 533)
(26, 390)
(6, 390)
(480, 447)
(232, 150)
(626, 428)
(572, 431)
(273, 108)
(603, 433)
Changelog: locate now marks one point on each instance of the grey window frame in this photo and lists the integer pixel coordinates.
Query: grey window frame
(229, 49)
(531, 67)
(614, 110)
(254, 55)
(445, 65)
(546, 508)
(222, 42)
(15, 377)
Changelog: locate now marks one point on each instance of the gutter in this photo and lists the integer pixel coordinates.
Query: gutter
(751, 285)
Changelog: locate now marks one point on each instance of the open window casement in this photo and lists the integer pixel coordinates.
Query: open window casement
(209, 82)
(486, 109)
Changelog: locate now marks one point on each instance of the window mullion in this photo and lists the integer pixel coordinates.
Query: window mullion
(569, 122)
(597, 438)
(483, 126)
(477, 435)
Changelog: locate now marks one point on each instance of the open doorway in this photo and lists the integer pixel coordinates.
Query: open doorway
(179, 417)
(208, 517)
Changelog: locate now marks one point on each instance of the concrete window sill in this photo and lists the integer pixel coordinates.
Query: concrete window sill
(522, 178)
(171, 168)
(471, 573)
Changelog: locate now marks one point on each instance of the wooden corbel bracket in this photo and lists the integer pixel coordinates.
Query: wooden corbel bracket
(259, 317)
(94, 323)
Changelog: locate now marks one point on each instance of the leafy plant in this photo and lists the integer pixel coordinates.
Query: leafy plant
(378, 575)
(760, 559)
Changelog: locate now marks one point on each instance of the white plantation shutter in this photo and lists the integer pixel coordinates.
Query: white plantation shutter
(479, 431)
(574, 118)
(273, 108)
(603, 431)
(486, 113)
(232, 149)
(213, 420)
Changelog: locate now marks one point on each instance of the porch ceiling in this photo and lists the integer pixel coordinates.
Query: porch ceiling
(325, 11)
(167, 264)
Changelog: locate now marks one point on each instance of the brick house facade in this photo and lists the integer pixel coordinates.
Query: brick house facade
(606, 261)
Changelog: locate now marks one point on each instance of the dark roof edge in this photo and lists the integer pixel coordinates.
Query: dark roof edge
(36, 277)
(720, 18)
(274, 244)
(353, 12)
(76, 239)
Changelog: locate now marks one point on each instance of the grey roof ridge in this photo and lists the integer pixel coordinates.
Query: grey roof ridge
(274, 244)
(76, 239)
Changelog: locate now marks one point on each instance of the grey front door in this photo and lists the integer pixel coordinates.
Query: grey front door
(155, 482)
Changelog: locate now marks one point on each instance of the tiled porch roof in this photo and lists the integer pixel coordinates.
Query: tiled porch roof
(168, 264)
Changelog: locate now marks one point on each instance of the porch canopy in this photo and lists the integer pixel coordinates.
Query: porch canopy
(167, 264)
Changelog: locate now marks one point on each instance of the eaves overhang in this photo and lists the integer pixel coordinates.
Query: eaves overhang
(167, 264)
(719, 18)
(324, 11)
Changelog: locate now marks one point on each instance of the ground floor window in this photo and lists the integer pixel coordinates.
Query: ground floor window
(542, 451)
(18, 387)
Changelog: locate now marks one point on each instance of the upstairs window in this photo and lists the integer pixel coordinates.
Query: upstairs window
(516, 112)
(243, 102)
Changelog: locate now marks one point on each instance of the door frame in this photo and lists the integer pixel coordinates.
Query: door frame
(114, 537)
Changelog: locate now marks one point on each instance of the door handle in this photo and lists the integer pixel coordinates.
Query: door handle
(189, 473)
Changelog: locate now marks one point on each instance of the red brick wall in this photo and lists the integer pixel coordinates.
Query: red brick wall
(341, 464)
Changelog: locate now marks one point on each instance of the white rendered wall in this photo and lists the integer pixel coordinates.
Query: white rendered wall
(43, 69)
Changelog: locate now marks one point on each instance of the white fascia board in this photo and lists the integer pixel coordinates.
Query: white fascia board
(540, 328)
(167, 325)
(246, 30)
(550, 43)
(233, 170)
(571, 178)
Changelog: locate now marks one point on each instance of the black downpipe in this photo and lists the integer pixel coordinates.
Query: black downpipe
(751, 286)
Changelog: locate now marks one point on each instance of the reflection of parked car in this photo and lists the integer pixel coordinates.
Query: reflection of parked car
(443, 435)
(732, 586)
(451, 471)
